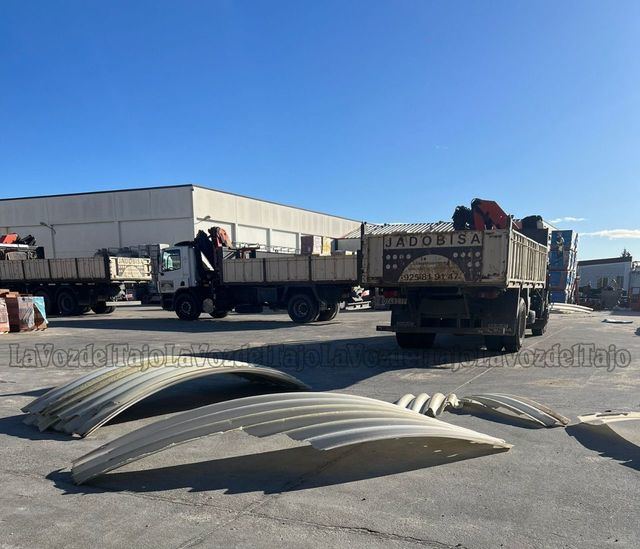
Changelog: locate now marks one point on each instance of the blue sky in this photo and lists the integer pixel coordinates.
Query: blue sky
(380, 111)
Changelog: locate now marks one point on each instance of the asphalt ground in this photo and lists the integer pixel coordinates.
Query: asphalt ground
(573, 487)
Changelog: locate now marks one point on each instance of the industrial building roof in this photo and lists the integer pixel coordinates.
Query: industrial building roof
(161, 187)
(392, 228)
(605, 261)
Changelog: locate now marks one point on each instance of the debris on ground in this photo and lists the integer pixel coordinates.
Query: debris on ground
(617, 321)
(325, 420)
(501, 403)
(86, 403)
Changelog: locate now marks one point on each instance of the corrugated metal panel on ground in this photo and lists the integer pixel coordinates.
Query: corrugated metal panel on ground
(325, 420)
(86, 403)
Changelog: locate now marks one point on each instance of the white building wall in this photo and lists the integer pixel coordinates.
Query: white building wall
(78, 225)
(249, 220)
(591, 274)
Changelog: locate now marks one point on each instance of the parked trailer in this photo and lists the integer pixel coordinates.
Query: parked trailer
(487, 282)
(203, 276)
(71, 286)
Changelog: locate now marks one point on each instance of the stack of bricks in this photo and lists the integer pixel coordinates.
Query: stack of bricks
(23, 313)
(4, 317)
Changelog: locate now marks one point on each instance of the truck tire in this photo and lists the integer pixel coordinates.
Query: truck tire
(513, 343)
(219, 314)
(540, 327)
(49, 304)
(188, 307)
(67, 303)
(330, 313)
(303, 308)
(101, 308)
(415, 341)
(494, 343)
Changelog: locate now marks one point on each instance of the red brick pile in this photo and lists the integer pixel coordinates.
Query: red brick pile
(21, 313)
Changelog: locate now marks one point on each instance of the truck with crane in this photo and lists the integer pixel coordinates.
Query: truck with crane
(207, 275)
(488, 276)
(485, 275)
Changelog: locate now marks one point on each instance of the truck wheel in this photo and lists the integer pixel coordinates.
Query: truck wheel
(187, 307)
(415, 341)
(540, 327)
(513, 343)
(68, 303)
(49, 304)
(494, 343)
(330, 313)
(303, 308)
(101, 308)
(219, 314)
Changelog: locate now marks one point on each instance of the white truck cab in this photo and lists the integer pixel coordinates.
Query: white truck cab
(178, 269)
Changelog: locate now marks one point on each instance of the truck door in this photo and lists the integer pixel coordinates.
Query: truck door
(177, 270)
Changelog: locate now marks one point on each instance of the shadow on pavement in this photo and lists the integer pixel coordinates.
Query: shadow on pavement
(286, 470)
(336, 364)
(35, 393)
(13, 426)
(477, 411)
(174, 325)
(194, 394)
(607, 442)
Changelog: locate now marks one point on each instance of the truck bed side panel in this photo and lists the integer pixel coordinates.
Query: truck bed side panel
(334, 268)
(501, 257)
(296, 269)
(37, 269)
(91, 268)
(527, 259)
(247, 271)
(11, 270)
(289, 269)
(125, 268)
(63, 269)
(81, 269)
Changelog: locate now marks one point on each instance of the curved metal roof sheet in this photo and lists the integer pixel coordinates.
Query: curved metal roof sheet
(86, 403)
(393, 228)
(325, 420)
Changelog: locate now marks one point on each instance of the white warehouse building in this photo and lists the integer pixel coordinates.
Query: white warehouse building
(76, 225)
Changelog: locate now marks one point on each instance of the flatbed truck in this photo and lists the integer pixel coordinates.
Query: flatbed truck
(207, 276)
(72, 286)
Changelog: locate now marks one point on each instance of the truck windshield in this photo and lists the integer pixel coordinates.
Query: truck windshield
(171, 260)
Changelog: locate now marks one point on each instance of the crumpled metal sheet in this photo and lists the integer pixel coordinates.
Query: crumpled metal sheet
(528, 409)
(603, 418)
(523, 407)
(86, 403)
(428, 405)
(325, 420)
